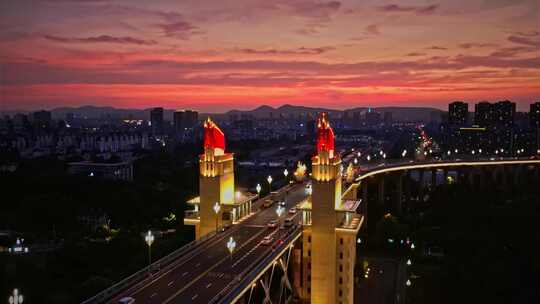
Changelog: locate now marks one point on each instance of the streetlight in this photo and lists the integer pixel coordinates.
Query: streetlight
(403, 153)
(368, 158)
(231, 244)
(355, 161)
(408, 283)
(16, 298)
(149, 238)
(216, 210)
(269, 179)
(286, 173)
(409, 263)
(279, 211)
(384, 155)
(258, 188)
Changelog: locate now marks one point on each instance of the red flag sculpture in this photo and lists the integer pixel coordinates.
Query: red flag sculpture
(325, 135)
(213, 136)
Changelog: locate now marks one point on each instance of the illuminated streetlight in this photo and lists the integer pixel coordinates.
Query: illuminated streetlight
(216, 208)
(231, 244)
(448, 152)
(355, 161)
(381, 152)
(412, 245)
(409, 263)
(384, 155)
(286, 173)
(359, 154)
(368, 158)
(149, 238)
(404, 153)
(258, 188)
(456, 151)
(16, 298)
(279, 211)
(269, 180)
(408, 283)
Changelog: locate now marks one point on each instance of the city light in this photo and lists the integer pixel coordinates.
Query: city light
(368, 158)
(355, 161)
(279, 210)
(16, 297)
(403, 153)
(149, 238)
(269, 180)
(409, 263)
(408, 283)
(231, 245)
(285, 172)
(258, 188)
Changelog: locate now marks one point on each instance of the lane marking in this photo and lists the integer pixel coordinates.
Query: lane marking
(184, 274)
(225, 258)
(209, 284)
(194, 297)
(153, 295)
(170, 283)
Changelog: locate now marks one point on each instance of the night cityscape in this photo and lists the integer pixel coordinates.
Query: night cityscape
(283, 151)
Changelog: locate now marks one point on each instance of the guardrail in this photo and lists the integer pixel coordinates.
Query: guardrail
(142, 276)
(246, 277)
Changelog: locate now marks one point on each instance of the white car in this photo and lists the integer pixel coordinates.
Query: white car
(126, 300)
(272, 224)
(267, 240)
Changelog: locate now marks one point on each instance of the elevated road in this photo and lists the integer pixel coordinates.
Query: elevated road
(205, 275)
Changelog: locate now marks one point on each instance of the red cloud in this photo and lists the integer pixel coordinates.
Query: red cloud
(421, 10)
(100, 39)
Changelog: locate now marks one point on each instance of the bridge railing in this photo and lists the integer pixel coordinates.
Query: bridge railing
(142, 275)
(250, 274)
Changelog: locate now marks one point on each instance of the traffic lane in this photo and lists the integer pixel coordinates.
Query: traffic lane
(153, 292)
(226, 270)
(239, 265)
(162, 288)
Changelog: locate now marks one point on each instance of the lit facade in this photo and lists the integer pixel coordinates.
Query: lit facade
(328, 219)
(216, 186)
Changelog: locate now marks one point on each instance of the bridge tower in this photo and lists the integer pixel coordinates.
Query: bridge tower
(216, 184)
(331, 237)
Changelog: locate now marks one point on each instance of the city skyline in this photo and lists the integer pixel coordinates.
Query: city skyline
(214, 57)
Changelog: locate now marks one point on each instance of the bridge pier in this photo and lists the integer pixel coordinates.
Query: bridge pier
(380, 192)
(398, 194)
(421, 185)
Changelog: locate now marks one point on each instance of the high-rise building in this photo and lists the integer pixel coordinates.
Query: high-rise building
(156, 119)
(534, 115)
(483, 114)
(458, 112)
(372, 117)
(184, 120)
(504, 113)
(388, 119)
(42, 119)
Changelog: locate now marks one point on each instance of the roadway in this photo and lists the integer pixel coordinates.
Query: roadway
(208, 270)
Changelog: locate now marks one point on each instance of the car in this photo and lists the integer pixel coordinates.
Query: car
(225, 227)
(288, 223)
(272, 224)
(267, 203)
(126, 300)
(292, 210)
(267, 240)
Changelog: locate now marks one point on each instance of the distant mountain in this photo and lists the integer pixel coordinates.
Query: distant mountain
(264, 111)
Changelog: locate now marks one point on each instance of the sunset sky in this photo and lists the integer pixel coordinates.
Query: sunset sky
(214, 55)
